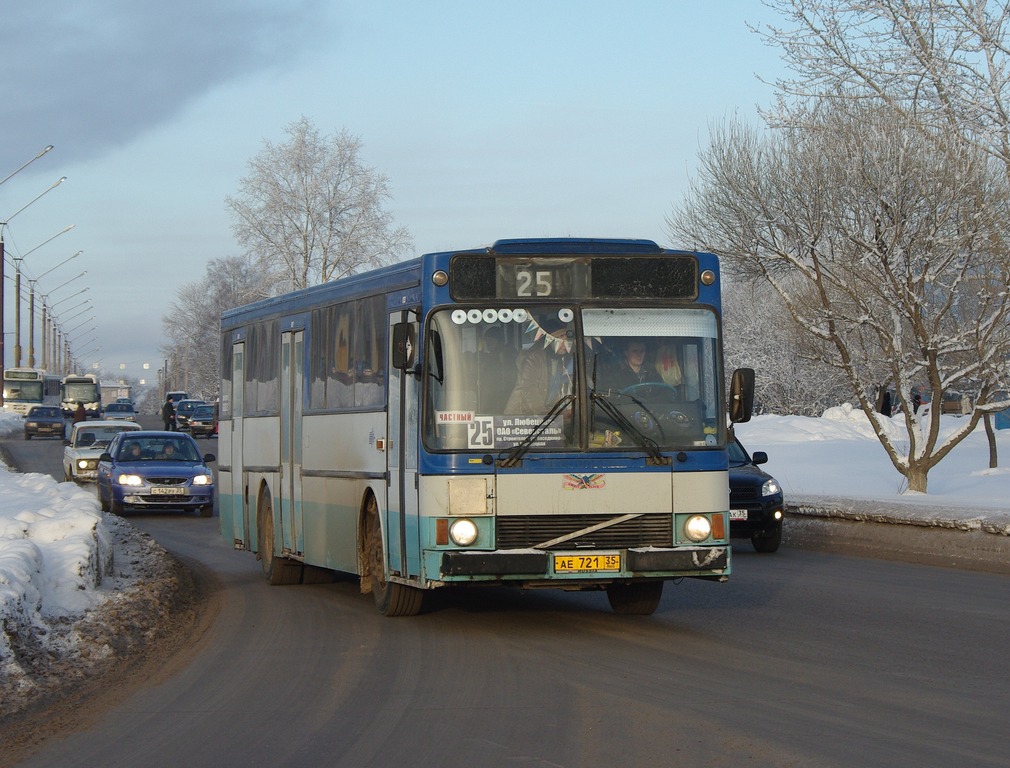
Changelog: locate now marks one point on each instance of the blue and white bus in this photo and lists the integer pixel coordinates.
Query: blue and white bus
(26, 387)
(472, 417)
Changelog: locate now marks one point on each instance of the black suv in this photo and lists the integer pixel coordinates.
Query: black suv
(756, 506)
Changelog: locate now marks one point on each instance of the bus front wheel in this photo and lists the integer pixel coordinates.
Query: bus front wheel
(391, 598)
(635, 598)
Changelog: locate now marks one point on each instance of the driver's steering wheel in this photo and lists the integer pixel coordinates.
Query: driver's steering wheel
(649, 395)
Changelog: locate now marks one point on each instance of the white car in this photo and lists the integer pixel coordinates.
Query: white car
(120, 411)
(88, 439)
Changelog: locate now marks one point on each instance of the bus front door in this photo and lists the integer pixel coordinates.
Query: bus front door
(402, 544)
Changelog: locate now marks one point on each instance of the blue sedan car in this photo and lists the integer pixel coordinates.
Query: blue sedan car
(155, 470)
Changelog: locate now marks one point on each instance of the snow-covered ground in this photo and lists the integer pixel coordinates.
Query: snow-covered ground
(56, 546)
(838, 455)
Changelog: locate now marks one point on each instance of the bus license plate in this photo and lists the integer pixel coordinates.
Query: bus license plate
(586, 563)
(168, 490)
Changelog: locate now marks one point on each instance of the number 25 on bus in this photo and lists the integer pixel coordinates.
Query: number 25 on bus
(537, 413)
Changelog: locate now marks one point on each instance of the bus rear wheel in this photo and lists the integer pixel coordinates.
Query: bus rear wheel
(278, 570)
(391, 598)
(635, 598)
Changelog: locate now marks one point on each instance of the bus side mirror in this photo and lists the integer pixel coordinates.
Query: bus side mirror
(741, 395)
(404, 346)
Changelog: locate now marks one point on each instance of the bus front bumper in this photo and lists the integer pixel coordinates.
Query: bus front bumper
(526, 564)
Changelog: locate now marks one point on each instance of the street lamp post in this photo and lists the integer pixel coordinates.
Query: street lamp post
(56, 342)
(17, 283)
(3, 225)
(31, 306)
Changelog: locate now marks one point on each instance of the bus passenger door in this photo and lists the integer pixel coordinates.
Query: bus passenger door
(402, 543)
(239, 504)
(291, 442)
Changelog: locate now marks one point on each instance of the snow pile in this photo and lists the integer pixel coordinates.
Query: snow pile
(78, 589)
(54, 553)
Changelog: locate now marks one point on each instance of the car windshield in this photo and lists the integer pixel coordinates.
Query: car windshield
(203, 412)
(157, 449)
(557, 377)
(96, 437)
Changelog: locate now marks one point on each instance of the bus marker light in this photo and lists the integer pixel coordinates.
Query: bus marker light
(440, 278)
(441, 532)
(718, 527)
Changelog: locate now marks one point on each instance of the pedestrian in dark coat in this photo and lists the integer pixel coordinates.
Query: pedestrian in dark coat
(168, 414)
(80, 414)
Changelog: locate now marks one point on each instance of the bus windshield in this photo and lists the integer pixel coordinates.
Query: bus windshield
(571, 378)
(23, 390)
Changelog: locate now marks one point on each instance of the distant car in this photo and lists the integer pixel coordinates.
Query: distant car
(756, 504)
(155, 470)
(120, 411)
(203, 421)
(183, 409)
(88, 440)
(44, 420)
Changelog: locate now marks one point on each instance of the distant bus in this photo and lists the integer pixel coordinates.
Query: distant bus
(84, 389)
(464, 418)
(25, 387)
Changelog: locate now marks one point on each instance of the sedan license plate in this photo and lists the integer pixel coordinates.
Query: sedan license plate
(587, 563)
(738, 514)
(168, 490)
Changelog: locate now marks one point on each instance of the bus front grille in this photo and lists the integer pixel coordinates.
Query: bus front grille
(521, 532)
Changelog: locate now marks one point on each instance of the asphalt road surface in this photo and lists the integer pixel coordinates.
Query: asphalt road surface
(802, 659)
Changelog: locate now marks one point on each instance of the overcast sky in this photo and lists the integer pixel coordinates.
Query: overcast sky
(491, 120)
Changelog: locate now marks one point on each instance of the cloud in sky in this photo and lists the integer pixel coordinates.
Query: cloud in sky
(491, 120)
(90, 75)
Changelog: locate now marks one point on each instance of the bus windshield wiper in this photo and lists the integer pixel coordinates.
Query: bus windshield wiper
(646, 443)
(520, 449)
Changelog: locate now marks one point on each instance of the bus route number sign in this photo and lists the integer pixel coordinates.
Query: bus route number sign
(547, 279)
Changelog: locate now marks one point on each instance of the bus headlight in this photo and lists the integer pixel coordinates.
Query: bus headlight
(697, 528)
(463, 532)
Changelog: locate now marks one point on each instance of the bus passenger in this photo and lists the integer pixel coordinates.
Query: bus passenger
(545, 372)
(496, 371)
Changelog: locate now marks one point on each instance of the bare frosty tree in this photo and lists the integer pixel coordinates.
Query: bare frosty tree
(760, 334)
(886, 243)
(310, 207)
(940, 65)
(193, 323)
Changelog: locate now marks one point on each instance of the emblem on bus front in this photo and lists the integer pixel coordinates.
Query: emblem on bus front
(573, 482)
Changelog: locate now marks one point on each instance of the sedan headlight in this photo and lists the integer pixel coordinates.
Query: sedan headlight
(697, 528)
(203, 480)
(133, 480)
(771, 487)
